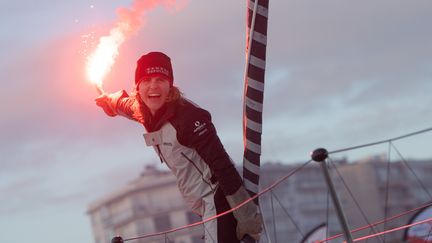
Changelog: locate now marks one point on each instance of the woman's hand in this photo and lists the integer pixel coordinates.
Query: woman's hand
(105, 102)
(249, 220)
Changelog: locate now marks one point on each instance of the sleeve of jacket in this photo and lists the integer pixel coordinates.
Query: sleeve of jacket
(199, 133)
(126, 105)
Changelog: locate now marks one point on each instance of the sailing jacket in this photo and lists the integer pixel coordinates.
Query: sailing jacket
(184, 137)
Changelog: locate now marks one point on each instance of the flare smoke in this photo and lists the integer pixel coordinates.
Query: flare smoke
(129, 21)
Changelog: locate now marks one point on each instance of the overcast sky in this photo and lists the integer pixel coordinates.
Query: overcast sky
(339, 74)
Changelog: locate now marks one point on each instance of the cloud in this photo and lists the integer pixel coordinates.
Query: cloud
(338, 74)
(21, 191)
(329, 59)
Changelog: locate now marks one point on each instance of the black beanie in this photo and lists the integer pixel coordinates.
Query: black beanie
(153, 64)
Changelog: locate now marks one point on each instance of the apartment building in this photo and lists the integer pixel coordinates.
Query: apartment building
(150, 203)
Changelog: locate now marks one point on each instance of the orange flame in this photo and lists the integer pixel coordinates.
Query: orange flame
(100, 62)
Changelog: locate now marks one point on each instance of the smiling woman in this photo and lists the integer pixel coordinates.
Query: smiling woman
(154, 80)
(184, 138)
(154, 92)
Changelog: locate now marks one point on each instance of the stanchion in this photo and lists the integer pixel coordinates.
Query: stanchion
(320, 155)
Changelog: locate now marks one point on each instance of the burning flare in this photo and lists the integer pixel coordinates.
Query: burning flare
(99, 63)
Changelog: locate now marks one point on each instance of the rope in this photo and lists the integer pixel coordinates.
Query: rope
(273, 218)
(352, 196)
(266, 233)
(412, 171)
(382, 141)
(328, 213)
(379, 222)
(393, 230)
(276, 183)
(289, 216)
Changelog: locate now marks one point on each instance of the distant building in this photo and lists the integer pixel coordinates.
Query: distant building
(152, 202)
(409, 186)
(305, 198)
(296, 205)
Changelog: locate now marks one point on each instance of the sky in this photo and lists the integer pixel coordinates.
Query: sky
(339, 74)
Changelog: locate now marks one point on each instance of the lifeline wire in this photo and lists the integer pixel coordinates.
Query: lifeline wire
(289, 216)
(412, 171)
(382, 141)
(284, 178)
(393, 230)
(379, 222)
(226, 212)
(354, 199)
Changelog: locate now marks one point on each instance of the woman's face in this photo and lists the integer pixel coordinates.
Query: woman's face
(154, 92)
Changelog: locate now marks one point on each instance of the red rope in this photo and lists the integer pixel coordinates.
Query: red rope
(292, 172)
(392, 230)
(377, 223)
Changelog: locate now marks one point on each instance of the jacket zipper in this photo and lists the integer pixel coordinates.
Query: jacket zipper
(201, 173)
(162, 159)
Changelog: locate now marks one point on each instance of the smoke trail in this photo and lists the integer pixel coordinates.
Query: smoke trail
(99, 63)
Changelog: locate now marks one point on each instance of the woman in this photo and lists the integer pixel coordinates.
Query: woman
(185, 139)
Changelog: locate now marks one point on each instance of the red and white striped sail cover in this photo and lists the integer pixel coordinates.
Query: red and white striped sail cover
(256, 42)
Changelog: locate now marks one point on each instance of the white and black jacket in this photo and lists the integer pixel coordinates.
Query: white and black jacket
(184, 137)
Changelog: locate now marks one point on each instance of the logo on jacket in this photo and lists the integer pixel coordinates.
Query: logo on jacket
(200, 128)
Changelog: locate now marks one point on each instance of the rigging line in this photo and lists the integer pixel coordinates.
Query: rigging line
(380, 222)
(266, 231)
(393, 230)
(248, 54)
(264, 225)
(283, 178)
(276, 183)
(289, 216)
(352, 196)
(405, 162)
(382, 141)
(328, 213)
(386, 208)
(273, 213)
(251, 34)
